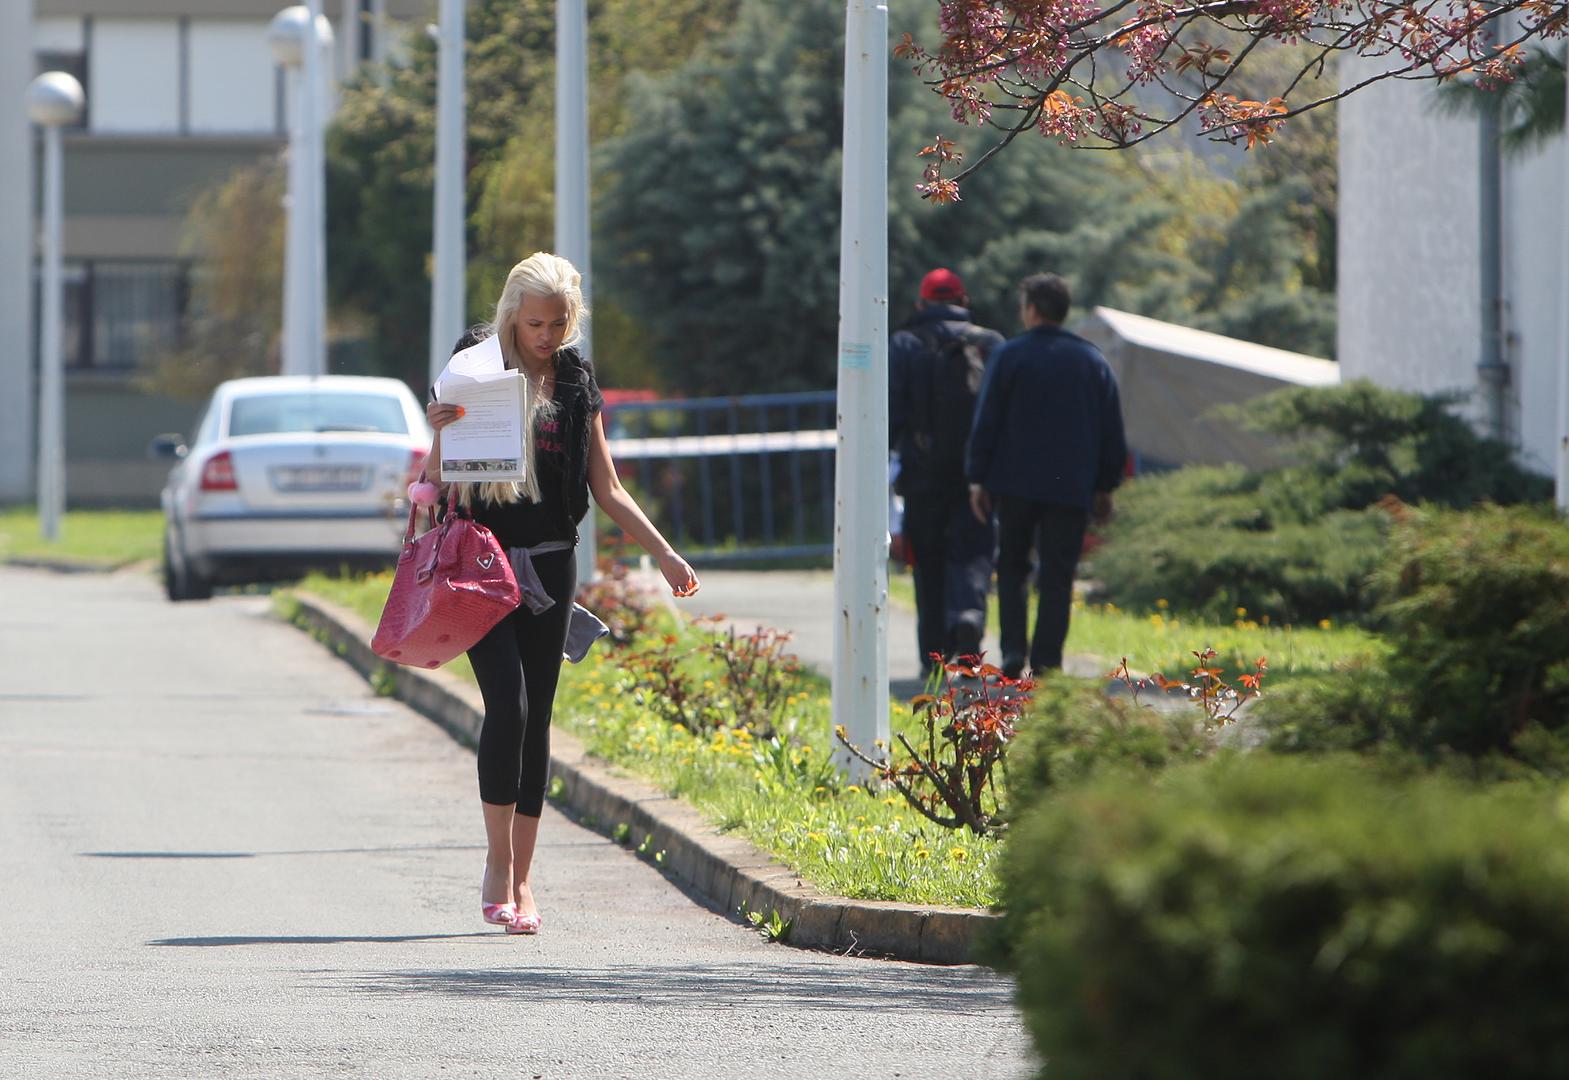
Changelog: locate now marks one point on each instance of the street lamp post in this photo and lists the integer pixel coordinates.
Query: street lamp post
(305, 246)
(1562, 471)
(54, 99)
(860, 669)
(572, 191)
(449, 257)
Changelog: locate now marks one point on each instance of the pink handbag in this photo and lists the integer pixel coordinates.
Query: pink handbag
(452, 585)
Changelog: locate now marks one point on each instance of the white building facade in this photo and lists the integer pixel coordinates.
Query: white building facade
(1411, 249)
(179, 93)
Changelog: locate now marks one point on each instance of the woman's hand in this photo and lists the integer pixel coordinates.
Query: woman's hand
(441, 415)
(683, 580)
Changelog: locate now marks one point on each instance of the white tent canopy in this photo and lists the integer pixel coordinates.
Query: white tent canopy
(1172, 377)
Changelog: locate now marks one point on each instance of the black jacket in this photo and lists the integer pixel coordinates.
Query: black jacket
(910, 376)
(1048, 425)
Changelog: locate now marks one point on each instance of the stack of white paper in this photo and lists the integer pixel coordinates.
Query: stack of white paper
(487, 443)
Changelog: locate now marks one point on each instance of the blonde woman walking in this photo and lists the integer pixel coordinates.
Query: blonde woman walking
(539, 319)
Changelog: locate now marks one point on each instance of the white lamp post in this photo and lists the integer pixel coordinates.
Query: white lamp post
(305, 246)
(1562, 471)
(572, 194)
(54, 99)
(449, 257)
(860, 671)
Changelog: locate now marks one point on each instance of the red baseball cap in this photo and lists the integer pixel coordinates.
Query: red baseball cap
(942, 284)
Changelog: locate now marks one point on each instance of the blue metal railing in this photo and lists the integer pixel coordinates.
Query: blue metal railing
(772, 496)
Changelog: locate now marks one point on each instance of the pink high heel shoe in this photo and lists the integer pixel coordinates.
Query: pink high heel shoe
(500, 914)
(524, 924)
(496, 914)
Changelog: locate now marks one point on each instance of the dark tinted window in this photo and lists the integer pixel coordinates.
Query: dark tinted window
(267, 414)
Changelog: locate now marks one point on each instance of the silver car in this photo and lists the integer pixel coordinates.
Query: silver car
(286, 474)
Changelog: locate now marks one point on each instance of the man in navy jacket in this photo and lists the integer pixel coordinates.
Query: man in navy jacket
(1046, 450)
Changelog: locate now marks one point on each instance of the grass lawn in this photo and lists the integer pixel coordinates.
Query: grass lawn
(782, 794)
(1159, 641)
(106, 538)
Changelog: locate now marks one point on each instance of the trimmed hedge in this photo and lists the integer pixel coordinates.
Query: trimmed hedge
(1265, 916)
(1074, 732)
(1299, 543)
(1476, 609)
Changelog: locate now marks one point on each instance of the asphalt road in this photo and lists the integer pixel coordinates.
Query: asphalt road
(220, 856)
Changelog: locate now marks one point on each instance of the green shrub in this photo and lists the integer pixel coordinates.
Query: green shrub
(1074, 732)
(1262, 916)
(1363, 442)
(1478, 607)
(1298, 543)
(1476, 610)
(1293, 574)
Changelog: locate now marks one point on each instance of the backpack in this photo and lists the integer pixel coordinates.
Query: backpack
(943, 407)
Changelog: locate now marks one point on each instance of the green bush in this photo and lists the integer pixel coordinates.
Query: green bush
(1293, 573)
(1476, 610)
(1260, 916)
(1074, 732)
(1298, 543)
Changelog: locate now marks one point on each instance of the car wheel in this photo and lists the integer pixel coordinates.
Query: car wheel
(180, 582)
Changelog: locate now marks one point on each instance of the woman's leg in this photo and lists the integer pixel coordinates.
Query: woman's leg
(540, 641)
(495, 661)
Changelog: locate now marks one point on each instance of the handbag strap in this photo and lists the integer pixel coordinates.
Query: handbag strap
(430, 515)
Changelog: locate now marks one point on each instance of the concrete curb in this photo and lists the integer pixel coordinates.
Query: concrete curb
(727, 871)
(56, 565)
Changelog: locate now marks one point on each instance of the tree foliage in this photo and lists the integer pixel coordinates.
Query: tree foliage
(719, 223)
(233, 233)
(381, 153)
(1115, 76)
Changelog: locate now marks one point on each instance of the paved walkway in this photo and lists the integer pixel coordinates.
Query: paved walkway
(802, 602)
(223, 856)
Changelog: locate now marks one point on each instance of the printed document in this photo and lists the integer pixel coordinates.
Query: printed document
(487, 443)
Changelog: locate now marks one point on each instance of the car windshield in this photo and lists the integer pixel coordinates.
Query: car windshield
(269, 414)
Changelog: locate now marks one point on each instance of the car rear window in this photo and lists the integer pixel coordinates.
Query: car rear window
(269, 414)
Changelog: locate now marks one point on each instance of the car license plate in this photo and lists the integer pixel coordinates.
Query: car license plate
(319, 477)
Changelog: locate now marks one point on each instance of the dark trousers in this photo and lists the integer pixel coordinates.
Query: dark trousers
(952, 552)
(1056, 533)
(517, 666)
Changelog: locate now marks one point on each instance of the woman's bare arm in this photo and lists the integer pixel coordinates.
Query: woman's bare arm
(618, 503)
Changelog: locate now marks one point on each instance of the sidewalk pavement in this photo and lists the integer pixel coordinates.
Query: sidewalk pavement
(225, 855)
(802, 602)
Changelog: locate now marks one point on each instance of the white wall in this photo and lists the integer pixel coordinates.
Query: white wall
(232, 78)
(134, 75)
(1534, 228)
(1410, 310)
(58, 35)
(16, 253)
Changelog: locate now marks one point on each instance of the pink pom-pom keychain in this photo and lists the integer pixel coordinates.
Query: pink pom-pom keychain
(424, 493)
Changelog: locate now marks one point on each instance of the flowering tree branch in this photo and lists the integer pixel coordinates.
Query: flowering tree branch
(1113, 77)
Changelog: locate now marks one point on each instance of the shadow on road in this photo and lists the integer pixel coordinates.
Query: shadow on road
(396, 849)
(295, 939)
(716, 986)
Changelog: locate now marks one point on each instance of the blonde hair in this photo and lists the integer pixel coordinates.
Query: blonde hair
(542, 274)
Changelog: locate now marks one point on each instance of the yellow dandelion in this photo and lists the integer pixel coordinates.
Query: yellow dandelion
(1163, 603)
(922, 853)
(1323, 624)
(958, 854)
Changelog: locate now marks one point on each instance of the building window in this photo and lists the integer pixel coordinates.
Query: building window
(119, 315)
(62, 45)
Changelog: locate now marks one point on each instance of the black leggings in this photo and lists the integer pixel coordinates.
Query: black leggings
(517, 665)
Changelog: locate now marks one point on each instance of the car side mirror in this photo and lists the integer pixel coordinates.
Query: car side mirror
(167, 448)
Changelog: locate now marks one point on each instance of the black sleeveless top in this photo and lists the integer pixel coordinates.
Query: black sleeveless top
(560, 463)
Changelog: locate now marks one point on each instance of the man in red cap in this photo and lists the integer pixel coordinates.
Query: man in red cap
(935, 365)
